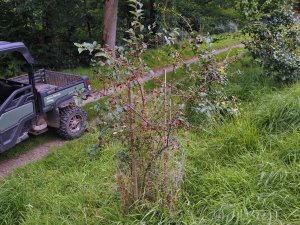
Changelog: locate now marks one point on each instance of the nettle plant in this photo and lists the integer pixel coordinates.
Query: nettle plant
(150, 157)
(274, 36)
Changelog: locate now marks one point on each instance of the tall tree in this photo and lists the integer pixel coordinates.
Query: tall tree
(110, 19)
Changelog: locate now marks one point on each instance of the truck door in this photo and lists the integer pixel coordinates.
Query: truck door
(16, 113)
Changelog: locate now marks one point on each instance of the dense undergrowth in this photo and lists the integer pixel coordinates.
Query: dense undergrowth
(240, 171)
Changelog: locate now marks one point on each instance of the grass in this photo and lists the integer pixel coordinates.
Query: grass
(244, 176)
(241, 171)
(249, 82)
(246, 170)
(68, 193)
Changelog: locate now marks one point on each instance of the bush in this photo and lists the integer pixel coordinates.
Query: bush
(273, 36)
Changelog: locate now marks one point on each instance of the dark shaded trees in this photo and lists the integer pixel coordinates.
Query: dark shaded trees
(50, 27)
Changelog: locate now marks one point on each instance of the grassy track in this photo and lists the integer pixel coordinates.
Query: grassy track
(241, 171)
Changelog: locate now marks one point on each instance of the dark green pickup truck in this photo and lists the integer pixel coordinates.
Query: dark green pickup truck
(31, 103)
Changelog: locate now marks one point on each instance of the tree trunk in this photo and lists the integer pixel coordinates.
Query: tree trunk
(110, 24)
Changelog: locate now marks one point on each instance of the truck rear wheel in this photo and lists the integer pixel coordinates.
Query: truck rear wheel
(72, 122)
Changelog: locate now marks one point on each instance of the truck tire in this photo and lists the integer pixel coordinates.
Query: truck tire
(72, 122)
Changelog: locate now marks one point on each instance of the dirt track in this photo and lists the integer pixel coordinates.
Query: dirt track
(7, 166)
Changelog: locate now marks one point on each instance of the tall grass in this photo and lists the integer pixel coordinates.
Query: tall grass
(246, 171)
(280, 111)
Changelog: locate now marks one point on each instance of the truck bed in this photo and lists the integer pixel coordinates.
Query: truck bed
(49, 81)
(55, 87)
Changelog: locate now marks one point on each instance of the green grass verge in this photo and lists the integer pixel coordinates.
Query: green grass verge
(241, 171)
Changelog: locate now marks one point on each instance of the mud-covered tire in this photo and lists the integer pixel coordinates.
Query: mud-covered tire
(72, 122)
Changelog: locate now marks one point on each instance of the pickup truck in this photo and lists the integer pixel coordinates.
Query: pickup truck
(31, 103)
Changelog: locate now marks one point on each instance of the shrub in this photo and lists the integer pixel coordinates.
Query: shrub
(273, 36)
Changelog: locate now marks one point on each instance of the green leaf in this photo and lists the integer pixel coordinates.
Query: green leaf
(101, 54)
(80, 50)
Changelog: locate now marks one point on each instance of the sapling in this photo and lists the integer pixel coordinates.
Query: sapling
(150, 159)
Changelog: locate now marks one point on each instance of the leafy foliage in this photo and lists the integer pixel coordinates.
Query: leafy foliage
(203, 89)
(150, 160)
(199, 13)
(274, 36)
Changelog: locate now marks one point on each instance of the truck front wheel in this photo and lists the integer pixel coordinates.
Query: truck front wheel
(72, 122)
